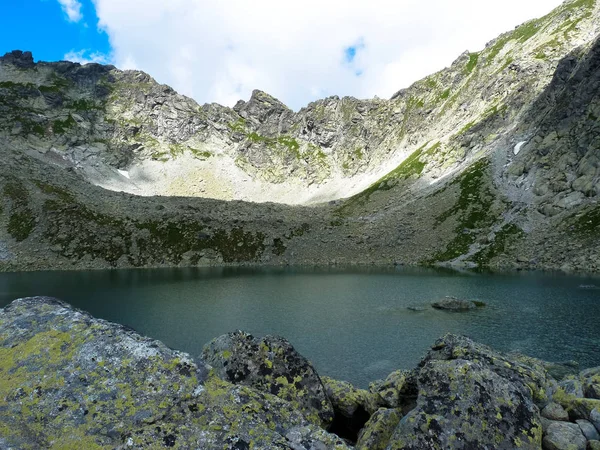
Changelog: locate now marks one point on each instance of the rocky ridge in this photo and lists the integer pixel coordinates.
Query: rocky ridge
(68, 380)
(491, 162)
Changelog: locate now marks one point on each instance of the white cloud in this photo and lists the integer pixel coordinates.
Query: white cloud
(72, 9)
(221, 50)
(85, 57)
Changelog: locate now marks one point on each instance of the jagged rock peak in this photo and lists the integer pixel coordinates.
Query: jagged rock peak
(19, 58)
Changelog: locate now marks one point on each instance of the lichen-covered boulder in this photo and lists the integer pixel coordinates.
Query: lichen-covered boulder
(271, 364)
(68, 380)
(591, 382)
(472, 397)
(464, 404)
(345, 398)
(588, 430)
(564, 436)
(553, 411)
(395, 389)
(377, 432)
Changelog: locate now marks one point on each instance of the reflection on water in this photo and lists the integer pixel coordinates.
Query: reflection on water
(354, 324)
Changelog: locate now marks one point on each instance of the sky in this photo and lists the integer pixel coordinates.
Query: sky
(220, 50)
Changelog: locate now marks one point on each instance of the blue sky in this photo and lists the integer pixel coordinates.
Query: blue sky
(44, 28)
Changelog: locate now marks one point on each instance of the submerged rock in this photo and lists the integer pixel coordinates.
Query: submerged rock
(454, 304)
(272, 365)
(69, 380)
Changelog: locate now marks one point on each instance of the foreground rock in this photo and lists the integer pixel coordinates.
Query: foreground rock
(68, 380)
(271, 365)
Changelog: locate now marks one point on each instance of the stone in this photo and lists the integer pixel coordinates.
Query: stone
(593, 445)
(554, 411)
(350, 406)
(467, 393)
(272, 365)
(564, 436)
(588, 430)
(378, 430)
(591, 383)
(395, 390)
(572, 387)
(101, 385)
(454, 304)
(595, 418)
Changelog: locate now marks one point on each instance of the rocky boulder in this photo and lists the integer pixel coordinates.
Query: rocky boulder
(454, 304)
(68, 380)
(470, 396)
(563, 436)
(272, 365)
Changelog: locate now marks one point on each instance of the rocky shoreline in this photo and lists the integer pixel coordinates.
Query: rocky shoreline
(68, 380)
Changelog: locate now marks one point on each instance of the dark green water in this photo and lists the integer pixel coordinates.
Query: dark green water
(353, 324)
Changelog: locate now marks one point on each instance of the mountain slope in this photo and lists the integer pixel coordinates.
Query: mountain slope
(491, 162)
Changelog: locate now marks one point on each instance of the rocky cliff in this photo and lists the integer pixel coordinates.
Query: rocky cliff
(490, 162)
(68, 380)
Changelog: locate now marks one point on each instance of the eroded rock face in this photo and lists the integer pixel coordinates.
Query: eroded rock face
(271, 364)
(69, 380)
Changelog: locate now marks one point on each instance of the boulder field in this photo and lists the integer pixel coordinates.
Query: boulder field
(71, 381)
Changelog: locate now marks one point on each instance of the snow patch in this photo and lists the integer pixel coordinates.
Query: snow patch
(518, 147)
(124, 173)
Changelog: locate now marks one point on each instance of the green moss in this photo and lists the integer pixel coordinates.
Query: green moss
(21, 221)
(472, 210)
(472, 63)
(444, 95)
(587, 223)
(279, 247)
(62, 126)
(239, 126)
(83, 105)
(80, 232)
(506, 235)
(411, 167)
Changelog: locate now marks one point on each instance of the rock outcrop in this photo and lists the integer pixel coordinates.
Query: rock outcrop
(69, 380)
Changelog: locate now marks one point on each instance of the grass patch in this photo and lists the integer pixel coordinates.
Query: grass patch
(21, 221)
(62, 126)
(472, 210)
(411, 167)
(472, 63)
(506, 235)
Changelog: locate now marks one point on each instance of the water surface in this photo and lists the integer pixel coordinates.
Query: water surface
(353, 324)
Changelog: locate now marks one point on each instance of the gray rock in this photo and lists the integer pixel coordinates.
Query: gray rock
(595, 418)
(572, 387)
(554, 411)
(378, 430)
(454, 304)
(397, 390)
(101, 385)
(272, 365)
(564, 436)
(466, 389)
(593, 445)
(588, 430)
